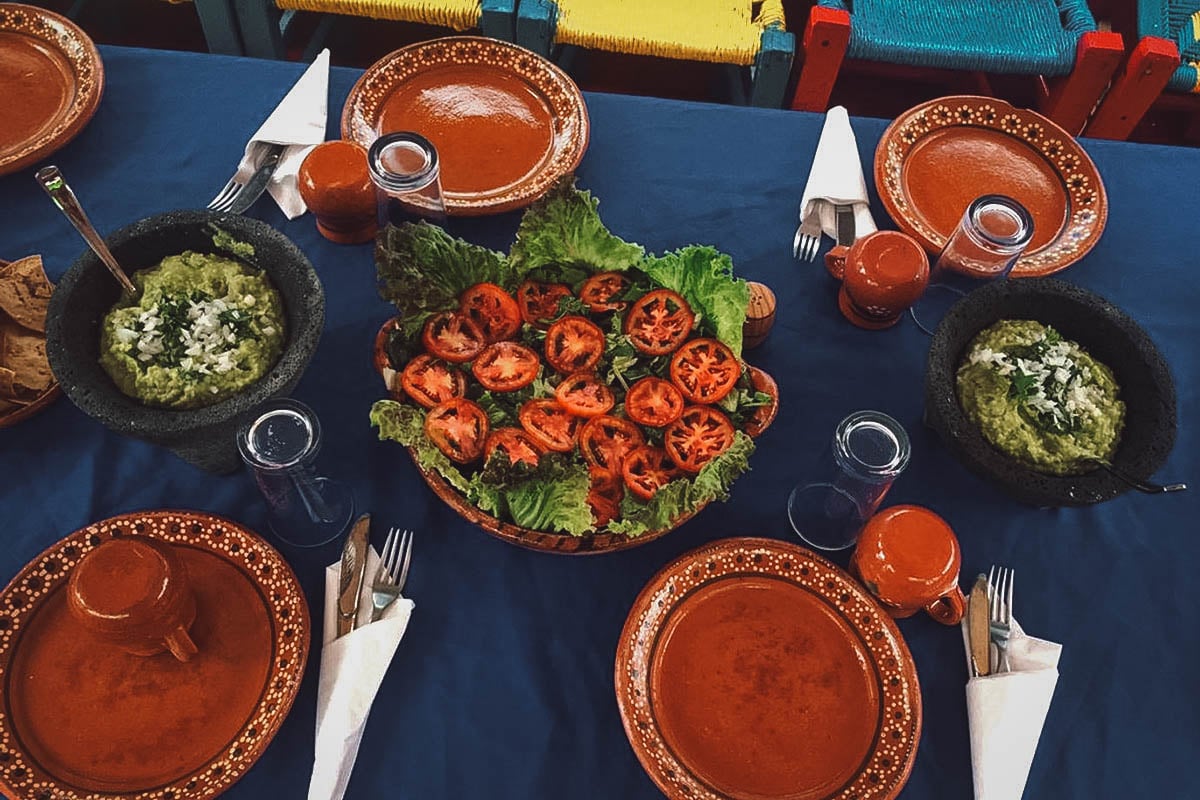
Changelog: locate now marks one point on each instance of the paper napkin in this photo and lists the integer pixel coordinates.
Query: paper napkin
(352, 668)
(1006, 712)
(299, 122)
(836, 179)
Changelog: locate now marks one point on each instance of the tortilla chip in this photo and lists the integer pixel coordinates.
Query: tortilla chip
(24, 355)
(25, 293)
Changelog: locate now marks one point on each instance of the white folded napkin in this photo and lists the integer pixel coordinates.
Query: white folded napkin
(299, 122)
(836, 179)
(352, 668)
(1006, 711)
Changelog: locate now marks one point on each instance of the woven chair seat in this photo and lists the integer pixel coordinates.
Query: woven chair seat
(459, 15)
(1028, 37)
(1178, 21)
(717, 31)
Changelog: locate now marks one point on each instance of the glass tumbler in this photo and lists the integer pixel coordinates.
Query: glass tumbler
(407, 175)
(869, 450)
(279, 447)
(992, 234)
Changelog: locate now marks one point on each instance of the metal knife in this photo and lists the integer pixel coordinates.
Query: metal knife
(350, 577)
(844, 216)
(977, 626)
(259, 180)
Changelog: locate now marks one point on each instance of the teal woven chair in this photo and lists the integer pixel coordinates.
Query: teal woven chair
(1166, 57)
(1056, 39)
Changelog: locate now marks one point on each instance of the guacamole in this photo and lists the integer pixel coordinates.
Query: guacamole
(1040, 398)
(204, 327)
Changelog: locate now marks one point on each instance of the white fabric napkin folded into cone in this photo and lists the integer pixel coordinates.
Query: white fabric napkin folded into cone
(836, 179)
(1006, 711)
(352, 669)
(298, 122)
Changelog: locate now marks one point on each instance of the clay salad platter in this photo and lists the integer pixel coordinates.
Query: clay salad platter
(577, 395)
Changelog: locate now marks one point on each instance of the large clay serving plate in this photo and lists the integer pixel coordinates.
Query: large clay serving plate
(81, 719)
(936, 158)
(507, 123)
(752, 669)
(51, 79)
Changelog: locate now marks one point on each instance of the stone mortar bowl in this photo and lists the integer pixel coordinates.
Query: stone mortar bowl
(205, 437)
(1100, 328)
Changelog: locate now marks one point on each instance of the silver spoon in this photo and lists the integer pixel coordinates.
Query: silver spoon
(1129, 480)
(52, 181)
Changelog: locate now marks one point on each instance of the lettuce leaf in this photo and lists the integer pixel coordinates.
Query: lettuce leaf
(423, 270)
(406, 424)
(552, 498)
(562, 240)
(704, 276)
(684, 496)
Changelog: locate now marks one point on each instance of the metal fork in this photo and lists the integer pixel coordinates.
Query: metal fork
(806, 245)
(393, 571)
(232, 192)
(1000, 603)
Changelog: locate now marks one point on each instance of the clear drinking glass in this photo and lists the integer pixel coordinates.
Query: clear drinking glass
(407, 175)
(992, 234)
(279, 447)
(869, 450)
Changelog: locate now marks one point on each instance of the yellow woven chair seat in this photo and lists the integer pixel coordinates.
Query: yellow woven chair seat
(718, 31)
(459, 15)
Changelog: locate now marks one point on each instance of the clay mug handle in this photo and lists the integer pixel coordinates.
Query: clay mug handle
(949, 608)
(180, 644)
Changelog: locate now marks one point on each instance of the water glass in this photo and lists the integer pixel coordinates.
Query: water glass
(869, 450)
(280, 447)
(407, 176)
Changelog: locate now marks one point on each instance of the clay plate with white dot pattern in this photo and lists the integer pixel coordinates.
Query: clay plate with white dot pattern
(507, 123)
(81, 719)
(753, 669)
(936, 158)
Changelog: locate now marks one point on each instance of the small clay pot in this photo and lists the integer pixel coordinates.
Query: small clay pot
(908, 557)
(885, 273)
(760, 315)
(336, 185)
(134, 593)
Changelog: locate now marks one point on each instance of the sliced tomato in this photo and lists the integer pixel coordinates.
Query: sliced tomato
(429, 381)
(699, 435)
(705, 370)
(383, 361)
(550, 425)
(646, 470)
(653, 402)
(459, 428)
(452, 337)
(600, 291)
(539, 301)
(492, 309)
(604, 441)
(506, 366)
(659, 321)
(515, 443)
(584, 395)
(574, 344)
(604, 495)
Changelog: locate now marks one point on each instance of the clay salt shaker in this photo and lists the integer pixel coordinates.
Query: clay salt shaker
(760, 315)
(886, 272)
(335, 184)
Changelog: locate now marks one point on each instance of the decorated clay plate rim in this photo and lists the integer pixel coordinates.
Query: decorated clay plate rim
(360, 114)
(886, 768)
(258, 562)
(1087, 210)
(63, 35)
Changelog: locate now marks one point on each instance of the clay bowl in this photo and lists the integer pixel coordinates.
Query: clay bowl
(1102, 329)
(204, 436)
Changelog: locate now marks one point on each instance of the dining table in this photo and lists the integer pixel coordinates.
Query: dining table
(503, 684)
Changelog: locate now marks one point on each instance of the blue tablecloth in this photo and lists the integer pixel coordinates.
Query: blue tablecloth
(503, 686)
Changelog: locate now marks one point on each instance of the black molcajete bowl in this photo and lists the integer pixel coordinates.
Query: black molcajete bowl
(1104, 331)
(204, 436)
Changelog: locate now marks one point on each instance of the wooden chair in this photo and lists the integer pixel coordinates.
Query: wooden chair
(1051, 39)
(264, 23)
(741, 33)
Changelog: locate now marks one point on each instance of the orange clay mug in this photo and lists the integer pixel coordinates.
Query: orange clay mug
(884, 273)
(908, 557)
(335, 184)
(133, 592)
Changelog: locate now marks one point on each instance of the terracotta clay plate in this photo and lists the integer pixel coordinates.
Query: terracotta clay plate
(51, 80)
(149, 728)
(507, 123)
(752, 669)
(936, 158)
